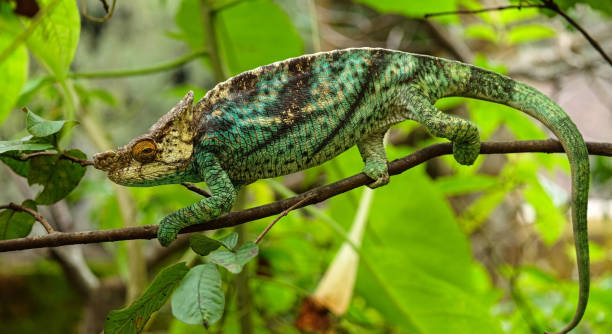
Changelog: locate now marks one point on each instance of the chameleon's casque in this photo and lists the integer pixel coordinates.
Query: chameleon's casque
(298, 113)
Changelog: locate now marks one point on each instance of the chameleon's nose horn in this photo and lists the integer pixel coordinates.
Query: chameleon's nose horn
(104, 160)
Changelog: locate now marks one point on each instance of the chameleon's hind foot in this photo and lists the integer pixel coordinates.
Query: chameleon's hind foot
(466, 154)
(377, 170)
(167, 232)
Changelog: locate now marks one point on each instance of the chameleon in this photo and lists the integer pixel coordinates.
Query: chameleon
(298, 113)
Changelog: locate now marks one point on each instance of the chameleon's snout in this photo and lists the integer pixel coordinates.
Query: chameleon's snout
(105, 160)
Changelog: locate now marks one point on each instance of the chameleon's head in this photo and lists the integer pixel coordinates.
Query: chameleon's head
(160, 156)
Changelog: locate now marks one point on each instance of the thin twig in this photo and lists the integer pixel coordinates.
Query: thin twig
(482, 10)
(283, 214)
(82, 162)
(195, 189)
(32, 213)
(550, 4)
(546, 4)
(317, 195)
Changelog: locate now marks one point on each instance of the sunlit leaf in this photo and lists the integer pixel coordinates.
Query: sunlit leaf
(199, 298)
(14, 69)
(16, 224)
(529, 33)
(58, 176)
(55, 40)
(550, 222)
(133, 318)
(481, 31)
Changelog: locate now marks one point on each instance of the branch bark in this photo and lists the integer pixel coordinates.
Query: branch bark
(315, 195)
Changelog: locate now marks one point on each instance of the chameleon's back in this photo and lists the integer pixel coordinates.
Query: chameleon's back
(298, 113)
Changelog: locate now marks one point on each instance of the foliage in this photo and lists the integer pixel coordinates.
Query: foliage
(417, 271)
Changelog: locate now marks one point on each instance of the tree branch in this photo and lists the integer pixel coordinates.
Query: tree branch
(82, 162)
(315, 195)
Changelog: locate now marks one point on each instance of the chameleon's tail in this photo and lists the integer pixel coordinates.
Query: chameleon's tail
(490, 86)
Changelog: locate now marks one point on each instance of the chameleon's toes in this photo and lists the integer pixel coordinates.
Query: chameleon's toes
(377, 171)
(166, 233)
(466, 154)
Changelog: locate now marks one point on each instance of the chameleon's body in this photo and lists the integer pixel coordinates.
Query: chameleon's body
(301, 112)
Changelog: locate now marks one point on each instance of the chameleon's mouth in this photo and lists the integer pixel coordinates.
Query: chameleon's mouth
(106, 161)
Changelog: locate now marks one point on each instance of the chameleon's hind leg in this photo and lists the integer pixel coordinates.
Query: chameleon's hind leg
(221, 201)
(372, 151)
(463, 133)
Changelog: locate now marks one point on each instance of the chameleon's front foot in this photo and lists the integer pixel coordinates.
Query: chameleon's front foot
(167, 231)
(377, 170)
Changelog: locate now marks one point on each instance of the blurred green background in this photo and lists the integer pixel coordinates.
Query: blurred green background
(446, 248)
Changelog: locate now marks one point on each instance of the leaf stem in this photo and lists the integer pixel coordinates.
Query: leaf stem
(32, 213)
(82, 162)
(282, 214)
(139, 71)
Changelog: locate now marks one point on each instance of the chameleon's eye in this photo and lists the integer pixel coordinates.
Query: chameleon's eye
(144, 150)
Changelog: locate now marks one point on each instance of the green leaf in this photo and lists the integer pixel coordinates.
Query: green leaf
(421, 269)
(58, 176)
(31, 87)
(246, 41)
(481, 31)
(55, 40)
(234, 261)
(24, 144)
(529, 33)
(16, 224)
(550, 222)
(411, 8)
(14, 69)
(202, 244)
(230, 240)
(40, 127)
(199, 298)
(11, 159)
(465, 184)
(133, 318)
(189, 20)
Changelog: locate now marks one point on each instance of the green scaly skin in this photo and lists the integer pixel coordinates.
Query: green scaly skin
(298, 113)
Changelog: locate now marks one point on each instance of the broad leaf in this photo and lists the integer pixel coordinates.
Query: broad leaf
(24, 144)
(246, 41)
(40, 127)
(55, 40)
(133, 318)
(16, 224)
(11, 159)
(230, 240)
(189, 20)
(14, 69)
(199, 298)
(234, 261)
(202, 244)
(58, 176)
(420, 270)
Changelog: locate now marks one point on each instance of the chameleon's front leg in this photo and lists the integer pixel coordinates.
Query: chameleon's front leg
(372, 150)
(221, 201)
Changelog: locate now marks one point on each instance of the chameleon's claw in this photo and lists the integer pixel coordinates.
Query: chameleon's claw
(378, 171)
